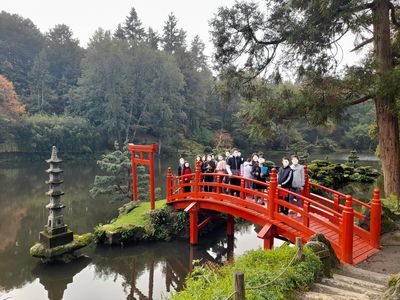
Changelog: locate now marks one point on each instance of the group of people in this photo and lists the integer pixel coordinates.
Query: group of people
(290, 174)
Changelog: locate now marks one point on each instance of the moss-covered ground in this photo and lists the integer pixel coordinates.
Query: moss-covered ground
(137, 222)
(137, 216)
(260, 267)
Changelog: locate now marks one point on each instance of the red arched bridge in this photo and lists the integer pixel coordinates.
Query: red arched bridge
(322, 210)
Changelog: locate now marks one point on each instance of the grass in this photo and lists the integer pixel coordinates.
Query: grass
(136, 216)
(259, 267)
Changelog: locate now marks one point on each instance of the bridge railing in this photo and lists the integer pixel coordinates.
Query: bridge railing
(337, 214)
(337, 201)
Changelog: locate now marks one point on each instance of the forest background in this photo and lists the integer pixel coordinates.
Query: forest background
(143, 86)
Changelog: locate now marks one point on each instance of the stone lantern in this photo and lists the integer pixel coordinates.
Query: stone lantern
(56, 232)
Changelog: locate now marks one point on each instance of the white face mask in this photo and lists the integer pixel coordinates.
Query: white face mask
(295, 161)
(285, 163)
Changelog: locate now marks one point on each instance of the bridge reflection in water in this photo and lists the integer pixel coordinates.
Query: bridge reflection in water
(322, 210)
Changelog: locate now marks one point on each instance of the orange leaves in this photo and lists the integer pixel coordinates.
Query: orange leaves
(10, 107)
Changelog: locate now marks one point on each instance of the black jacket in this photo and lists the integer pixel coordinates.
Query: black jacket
(285, 177)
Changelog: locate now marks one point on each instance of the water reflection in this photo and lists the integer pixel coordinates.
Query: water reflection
(56, 277)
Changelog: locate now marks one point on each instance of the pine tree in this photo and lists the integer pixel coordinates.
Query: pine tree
(133, 29)
(173, 38)
(117, 183)
(305, 35)
(197, 48)
(152, 38)
(119, 33)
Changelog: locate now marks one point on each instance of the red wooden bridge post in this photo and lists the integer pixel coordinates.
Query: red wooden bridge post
(347, 227)
(273, 184)
(376, 219)
(336, 202)
(306, 189)
(242, 193)
(218, 187)
(230, 225)
(306, 209)
(194, 229)
(197, 179)
(268, 243)
(169, 185)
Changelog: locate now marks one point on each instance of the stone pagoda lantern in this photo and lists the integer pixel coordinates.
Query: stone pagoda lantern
(56, 232)
(56, 241)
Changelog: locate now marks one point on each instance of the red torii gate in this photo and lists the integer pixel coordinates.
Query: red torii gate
(143, 150)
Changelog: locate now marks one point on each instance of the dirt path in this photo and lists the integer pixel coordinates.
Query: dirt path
(387, 261)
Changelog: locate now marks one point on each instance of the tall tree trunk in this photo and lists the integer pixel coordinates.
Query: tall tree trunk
(387, 118)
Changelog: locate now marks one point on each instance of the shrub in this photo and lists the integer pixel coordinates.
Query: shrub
(39, 133)
(259, 267)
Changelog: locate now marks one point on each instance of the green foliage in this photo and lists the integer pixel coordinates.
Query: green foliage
(21, 42)
(353, 159)
(117, 183)
(338, 175)
(167, 223)
(123, 84)
(38, 133)
(259, 267)
(141, 224)
(203, 136)
(124, 89)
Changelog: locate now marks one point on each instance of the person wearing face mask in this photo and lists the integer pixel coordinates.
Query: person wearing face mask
(233, 168)
(187, 179)
(257, 175)
(285, 178)
(298, 180)
(209, 168)
(181, 166)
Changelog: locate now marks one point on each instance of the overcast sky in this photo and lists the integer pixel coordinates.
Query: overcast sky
(85, 16)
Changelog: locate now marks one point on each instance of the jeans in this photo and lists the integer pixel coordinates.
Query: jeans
(297, 190)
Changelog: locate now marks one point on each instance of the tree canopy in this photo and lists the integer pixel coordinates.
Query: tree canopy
(254, 39)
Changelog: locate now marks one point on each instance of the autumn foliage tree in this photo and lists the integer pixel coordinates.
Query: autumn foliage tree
(11, 110)
(223, 140)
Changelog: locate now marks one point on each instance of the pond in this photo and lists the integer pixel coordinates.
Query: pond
(147, 271)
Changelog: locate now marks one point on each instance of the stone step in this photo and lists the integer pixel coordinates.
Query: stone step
(359, 282)
(357, 273)
(351, 287)
(318, 296)
(330, 290)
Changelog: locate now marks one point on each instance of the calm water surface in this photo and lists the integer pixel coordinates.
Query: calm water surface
(146, 271)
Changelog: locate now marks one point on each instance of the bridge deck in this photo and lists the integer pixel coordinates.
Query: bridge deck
(361, 248)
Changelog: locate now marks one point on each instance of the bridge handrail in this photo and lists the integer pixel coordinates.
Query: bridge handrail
(341, 195)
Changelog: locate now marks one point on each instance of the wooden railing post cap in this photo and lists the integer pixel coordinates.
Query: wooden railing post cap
(273, 174)
(169, 171)
(349, 202)
(376, 197)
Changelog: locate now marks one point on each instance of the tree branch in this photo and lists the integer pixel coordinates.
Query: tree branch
(370, 5)
(393, 15)
(362, 99)
(366, 42)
